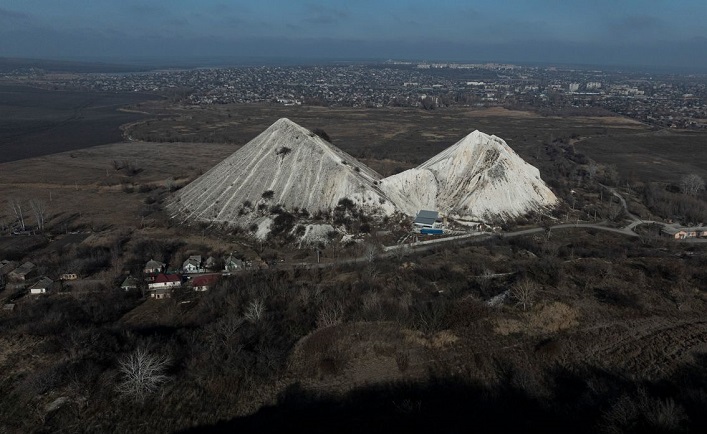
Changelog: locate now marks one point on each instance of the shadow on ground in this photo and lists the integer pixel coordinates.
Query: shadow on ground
(587, 402)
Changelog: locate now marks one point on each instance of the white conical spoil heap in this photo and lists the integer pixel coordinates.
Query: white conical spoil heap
(301, 169)
(478, 178)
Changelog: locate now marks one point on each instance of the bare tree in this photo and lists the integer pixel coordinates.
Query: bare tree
(400, 251)
(523, 293)
(692, 184)
(170, 184)
(142, 373)
(592, 169)
(370, 252)
(335, 247)
(131, 167)
(39, 209)
(611, 174)
(486, 278)
(330, 315)
(225, 329)
(15, 206)
(428, 103)
(615, 211)
(255, 310)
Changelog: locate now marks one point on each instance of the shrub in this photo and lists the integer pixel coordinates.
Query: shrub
(321, 133)
(281, 152)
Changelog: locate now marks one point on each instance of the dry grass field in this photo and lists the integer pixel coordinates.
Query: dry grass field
(85, 181)
(410, 136)
(405, 135)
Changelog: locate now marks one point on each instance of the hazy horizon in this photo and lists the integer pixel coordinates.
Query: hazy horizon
(630, 33)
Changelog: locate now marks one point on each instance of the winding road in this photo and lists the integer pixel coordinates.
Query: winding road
(420, 246)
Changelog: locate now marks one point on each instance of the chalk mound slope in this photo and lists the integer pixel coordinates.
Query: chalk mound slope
(478, 178)
(285, 165)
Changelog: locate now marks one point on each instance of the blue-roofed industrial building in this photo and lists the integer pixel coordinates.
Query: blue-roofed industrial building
(426, 219)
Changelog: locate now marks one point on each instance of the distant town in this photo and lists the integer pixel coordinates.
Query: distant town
(661, 100)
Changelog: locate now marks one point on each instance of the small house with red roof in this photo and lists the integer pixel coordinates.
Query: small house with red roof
(205, 282)
(166, 281)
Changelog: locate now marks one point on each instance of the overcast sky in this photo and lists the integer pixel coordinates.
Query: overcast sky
(631, 32)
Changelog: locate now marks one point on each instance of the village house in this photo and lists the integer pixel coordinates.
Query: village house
(154, 267)
(129, 283)
(232, 264)
(165, 281)
(211, 264)
(161, 293)
(205, 282)
(192, 265)
(6, 266)
(682, 233)
(23, 272)
(68, 276)
(41, 286)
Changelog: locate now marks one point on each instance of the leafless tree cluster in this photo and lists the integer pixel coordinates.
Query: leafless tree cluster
(330, 315)
(143, 373)
(131, 167)
(255, 311)
(371, 252)
(226, 329)
(692, 184)
(38, 208)
(592, 169)
(523, 293)
(15, 206)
